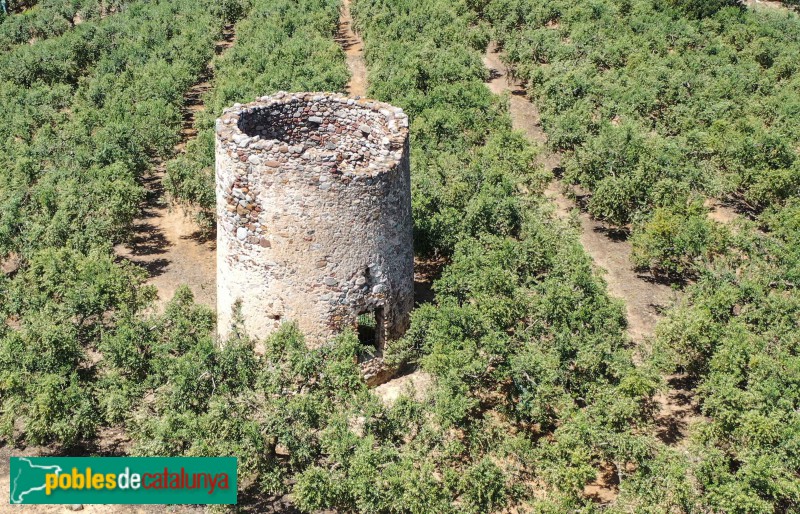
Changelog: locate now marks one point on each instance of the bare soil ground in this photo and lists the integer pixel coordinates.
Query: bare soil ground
(167, 242)
(416, 383)
(353, 48)
(169, 245)
(765, 4)
(605, 487)
(678, 410)
(645, 298)
(721, 212)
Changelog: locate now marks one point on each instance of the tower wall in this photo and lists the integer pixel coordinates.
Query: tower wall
(314, 214)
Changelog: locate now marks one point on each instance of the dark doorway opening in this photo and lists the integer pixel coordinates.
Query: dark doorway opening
(371, 329)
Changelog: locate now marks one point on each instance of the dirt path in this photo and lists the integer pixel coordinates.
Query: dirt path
(644, 298)
(166, 241)
(353, 48)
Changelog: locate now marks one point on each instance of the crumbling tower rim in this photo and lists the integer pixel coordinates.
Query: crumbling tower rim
(351, 137)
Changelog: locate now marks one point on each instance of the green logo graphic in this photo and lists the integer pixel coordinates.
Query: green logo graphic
(123, 480)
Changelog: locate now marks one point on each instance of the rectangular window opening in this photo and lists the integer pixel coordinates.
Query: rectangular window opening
(371, 329)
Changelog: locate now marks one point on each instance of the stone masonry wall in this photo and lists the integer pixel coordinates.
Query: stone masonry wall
(314, 214)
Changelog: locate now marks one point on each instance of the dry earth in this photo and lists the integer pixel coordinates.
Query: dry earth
(353, 48)
(767, 4)
(721, 212)
(167, 242)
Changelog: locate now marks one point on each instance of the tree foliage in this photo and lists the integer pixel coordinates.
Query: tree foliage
(656, 106)
(83, 115)
(703, 8)
(534, 387)
(657, 103)
(49, 18)
(677, 243)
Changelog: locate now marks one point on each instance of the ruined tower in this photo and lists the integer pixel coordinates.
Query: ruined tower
(314, 216)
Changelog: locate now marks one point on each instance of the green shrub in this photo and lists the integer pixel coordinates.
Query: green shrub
(703, 8)
(677, 244)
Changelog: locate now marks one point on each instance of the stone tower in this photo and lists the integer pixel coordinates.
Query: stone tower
(314, 216)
